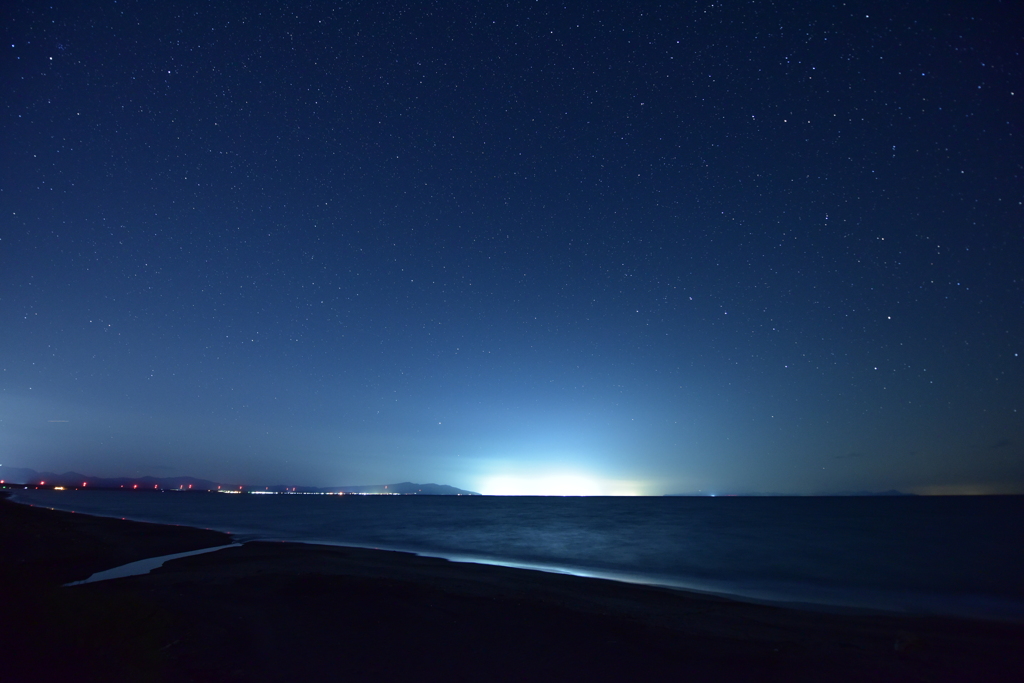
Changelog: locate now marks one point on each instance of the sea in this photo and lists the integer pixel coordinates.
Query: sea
(941, 555)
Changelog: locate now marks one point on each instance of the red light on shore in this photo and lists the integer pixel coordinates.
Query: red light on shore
(85, 483)
(42, 483)
(135, 486)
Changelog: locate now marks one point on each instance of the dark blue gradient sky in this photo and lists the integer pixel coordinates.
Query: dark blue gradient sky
(572, 247)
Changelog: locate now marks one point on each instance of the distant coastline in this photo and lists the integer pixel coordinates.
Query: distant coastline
(76, 480)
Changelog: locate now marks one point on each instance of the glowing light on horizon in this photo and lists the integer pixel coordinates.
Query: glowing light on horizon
(550, 485)
(556, 484)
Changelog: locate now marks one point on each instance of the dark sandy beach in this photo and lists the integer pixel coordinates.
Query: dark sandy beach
(294, 612)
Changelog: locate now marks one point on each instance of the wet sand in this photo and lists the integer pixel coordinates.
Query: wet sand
(296, 612)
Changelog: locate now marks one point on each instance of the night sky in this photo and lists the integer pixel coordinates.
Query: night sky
(531, 247)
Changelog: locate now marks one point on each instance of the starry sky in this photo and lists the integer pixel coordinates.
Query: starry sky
(534, 247)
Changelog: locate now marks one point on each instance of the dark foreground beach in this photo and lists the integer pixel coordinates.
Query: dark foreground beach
(295, 612)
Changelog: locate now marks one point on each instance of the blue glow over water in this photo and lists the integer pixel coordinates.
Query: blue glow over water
(946, 555)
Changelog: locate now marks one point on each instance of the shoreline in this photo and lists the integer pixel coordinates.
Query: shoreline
(147, 565)
(818, 598)
(277, 611)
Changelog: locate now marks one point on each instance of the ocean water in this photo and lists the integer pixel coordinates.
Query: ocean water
(959, 556)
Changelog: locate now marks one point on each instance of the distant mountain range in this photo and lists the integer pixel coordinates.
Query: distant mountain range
(405, 488)
(23, 475)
